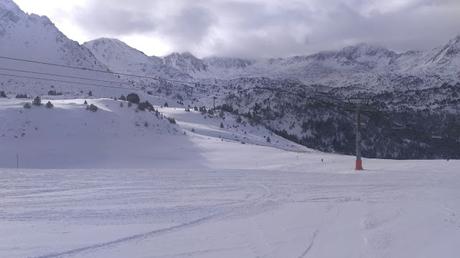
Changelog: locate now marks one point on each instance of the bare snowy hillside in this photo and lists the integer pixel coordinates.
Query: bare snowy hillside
(70, 136)
(117, 135)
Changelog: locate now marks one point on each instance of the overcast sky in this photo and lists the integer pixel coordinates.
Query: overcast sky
(255, 28)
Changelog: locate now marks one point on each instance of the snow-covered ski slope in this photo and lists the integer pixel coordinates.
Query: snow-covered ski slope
(112, 187)
(296, 207)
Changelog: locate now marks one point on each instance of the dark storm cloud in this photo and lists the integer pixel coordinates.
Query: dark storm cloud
(269, 28)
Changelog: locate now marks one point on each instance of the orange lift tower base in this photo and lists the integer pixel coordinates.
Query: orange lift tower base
(359, 165)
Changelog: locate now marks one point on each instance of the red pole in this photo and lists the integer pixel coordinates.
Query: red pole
(359, 165)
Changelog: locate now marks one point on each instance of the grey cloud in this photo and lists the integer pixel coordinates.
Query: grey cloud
(420, 27)
(180, 23)
(259, 29)
(189, 27)
(274, 28)
(116, 17)
(260, 15)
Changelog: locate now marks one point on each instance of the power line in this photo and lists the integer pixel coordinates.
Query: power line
(63, 76)
(92, 70)
(73, 67)
(62, 81)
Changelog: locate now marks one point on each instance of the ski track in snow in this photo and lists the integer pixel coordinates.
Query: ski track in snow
(150, 234)
(240, 205)
(312, 242)
(229, 213)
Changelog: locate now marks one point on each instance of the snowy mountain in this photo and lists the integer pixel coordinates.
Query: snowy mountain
(185, 62)
(36, 37)
(227, 62)
(373, 67)
(120, 57)
(448, 53)
(445, 61)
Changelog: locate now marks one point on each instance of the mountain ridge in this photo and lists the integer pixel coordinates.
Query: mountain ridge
(362, 63)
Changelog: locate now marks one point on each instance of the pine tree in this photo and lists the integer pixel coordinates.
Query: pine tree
(37, 101)
(133, 98)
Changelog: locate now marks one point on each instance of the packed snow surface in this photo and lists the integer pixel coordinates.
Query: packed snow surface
(201, 192)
